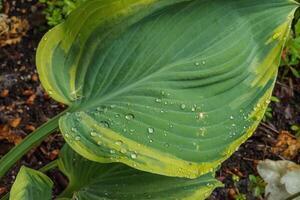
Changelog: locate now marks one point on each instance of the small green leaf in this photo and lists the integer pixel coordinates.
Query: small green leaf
(297, 28)
(92, 181)
(295, 72)
(31, 185)
(252, 179)
(295, 128)
(275, 99)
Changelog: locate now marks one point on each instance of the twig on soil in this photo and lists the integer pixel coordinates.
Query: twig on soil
(269, 127)
(281, 84)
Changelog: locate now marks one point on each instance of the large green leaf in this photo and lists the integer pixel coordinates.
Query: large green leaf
(31, 185)
(93, 181)
(171, 87)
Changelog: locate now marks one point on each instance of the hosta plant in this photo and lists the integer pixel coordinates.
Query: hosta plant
(163, 90)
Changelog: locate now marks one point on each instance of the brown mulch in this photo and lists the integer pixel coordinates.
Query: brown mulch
(24, 105)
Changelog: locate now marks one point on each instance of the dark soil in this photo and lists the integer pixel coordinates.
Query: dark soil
(24, 106)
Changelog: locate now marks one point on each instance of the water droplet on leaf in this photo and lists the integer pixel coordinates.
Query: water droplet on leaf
(182, 106)
(93, 133)
(201, 115)
(129, 116)
(77, 138)
(74, 129)
(150, 130)
(104, 124)
(123, 150)
(119, 142)
(133, 156)
(112, 151)
(158, 100)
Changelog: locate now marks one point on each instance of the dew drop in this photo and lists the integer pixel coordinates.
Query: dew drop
(129, 116)
(150, 130)
(182, 106)
(77, 138)
(201, 115)
(133, 156)
(150, 140)
(203, 62)
(99, 142)
(231, 117)
(167, 145)
(123, 150)
(119, 142)
(197, 64)
(112, 151)
(66, 135)
(202, 132)
(158, 100)
(104, 124)
(74, 129)
(93, 133)
(258, 105)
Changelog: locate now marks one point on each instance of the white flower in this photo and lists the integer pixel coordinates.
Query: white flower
(282, 177)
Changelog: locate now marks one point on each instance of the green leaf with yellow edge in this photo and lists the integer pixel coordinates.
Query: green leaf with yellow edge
(90, 180)
(31, 185)
(170, 87)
